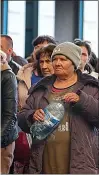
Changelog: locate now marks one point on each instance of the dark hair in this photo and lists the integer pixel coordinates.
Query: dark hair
(38, 69)
(93, 59)
(84, 43)
(9, 39)
(89, 68)
(45, 50)
(42, 38)
(97, 66)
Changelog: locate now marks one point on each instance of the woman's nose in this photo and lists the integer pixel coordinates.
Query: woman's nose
(57, 62)
(44, 65)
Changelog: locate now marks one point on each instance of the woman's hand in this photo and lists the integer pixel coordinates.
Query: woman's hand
(38, 115)
(71, 97)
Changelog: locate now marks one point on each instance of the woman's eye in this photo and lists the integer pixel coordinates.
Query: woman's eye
(48, 61)
(41, 62)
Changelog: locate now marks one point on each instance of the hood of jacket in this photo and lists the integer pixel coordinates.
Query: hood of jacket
(94, 74)
(83, 78)
(25, 73)
(5, 66)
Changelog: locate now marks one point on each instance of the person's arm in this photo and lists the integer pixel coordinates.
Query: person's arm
(28, 115)
(9, 91)
(88, 107)
(25, 116)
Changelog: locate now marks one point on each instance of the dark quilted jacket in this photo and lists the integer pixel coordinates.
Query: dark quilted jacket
(14, 66)
(8, 106)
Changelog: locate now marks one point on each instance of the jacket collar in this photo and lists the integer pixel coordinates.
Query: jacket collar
(5, 66)
(87, 79)
(83, 79)
(44, 83)
(25, 73)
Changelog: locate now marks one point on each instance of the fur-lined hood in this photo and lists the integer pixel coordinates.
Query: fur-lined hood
(22, 73)
(5, 66)
(3, 61)
(25, 73)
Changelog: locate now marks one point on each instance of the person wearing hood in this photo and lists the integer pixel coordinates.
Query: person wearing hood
(74, 147)
(9, 131)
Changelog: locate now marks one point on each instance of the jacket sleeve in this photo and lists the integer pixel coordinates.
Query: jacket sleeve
(25, 115)
(88, 107)
(9, 105)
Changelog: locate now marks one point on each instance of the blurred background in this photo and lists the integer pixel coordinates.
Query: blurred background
(64, 20)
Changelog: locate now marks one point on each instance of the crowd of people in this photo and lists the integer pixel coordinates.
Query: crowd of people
(66, 72)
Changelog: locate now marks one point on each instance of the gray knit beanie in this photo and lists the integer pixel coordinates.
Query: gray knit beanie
(70, 50)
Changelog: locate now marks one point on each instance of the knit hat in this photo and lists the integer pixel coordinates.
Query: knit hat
(70, 50)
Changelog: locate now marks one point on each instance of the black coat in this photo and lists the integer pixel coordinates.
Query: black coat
(14, 66)
(8, 106)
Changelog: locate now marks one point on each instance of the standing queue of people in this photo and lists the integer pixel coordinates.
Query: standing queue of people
(56, 72)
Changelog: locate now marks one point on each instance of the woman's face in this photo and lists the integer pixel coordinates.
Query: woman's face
(36, 48)
(84, 55)
(46, 65)
(62, 66)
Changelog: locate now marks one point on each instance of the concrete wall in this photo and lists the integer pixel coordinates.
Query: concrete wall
(66, 20)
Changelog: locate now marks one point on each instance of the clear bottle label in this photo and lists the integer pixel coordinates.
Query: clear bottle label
(50, 120)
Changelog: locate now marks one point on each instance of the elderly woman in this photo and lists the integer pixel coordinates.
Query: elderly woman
(72, 149)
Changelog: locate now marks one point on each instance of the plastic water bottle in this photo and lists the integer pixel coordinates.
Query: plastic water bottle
(54, 113)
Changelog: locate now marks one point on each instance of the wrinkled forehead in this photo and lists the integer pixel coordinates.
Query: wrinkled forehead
(45, 54)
